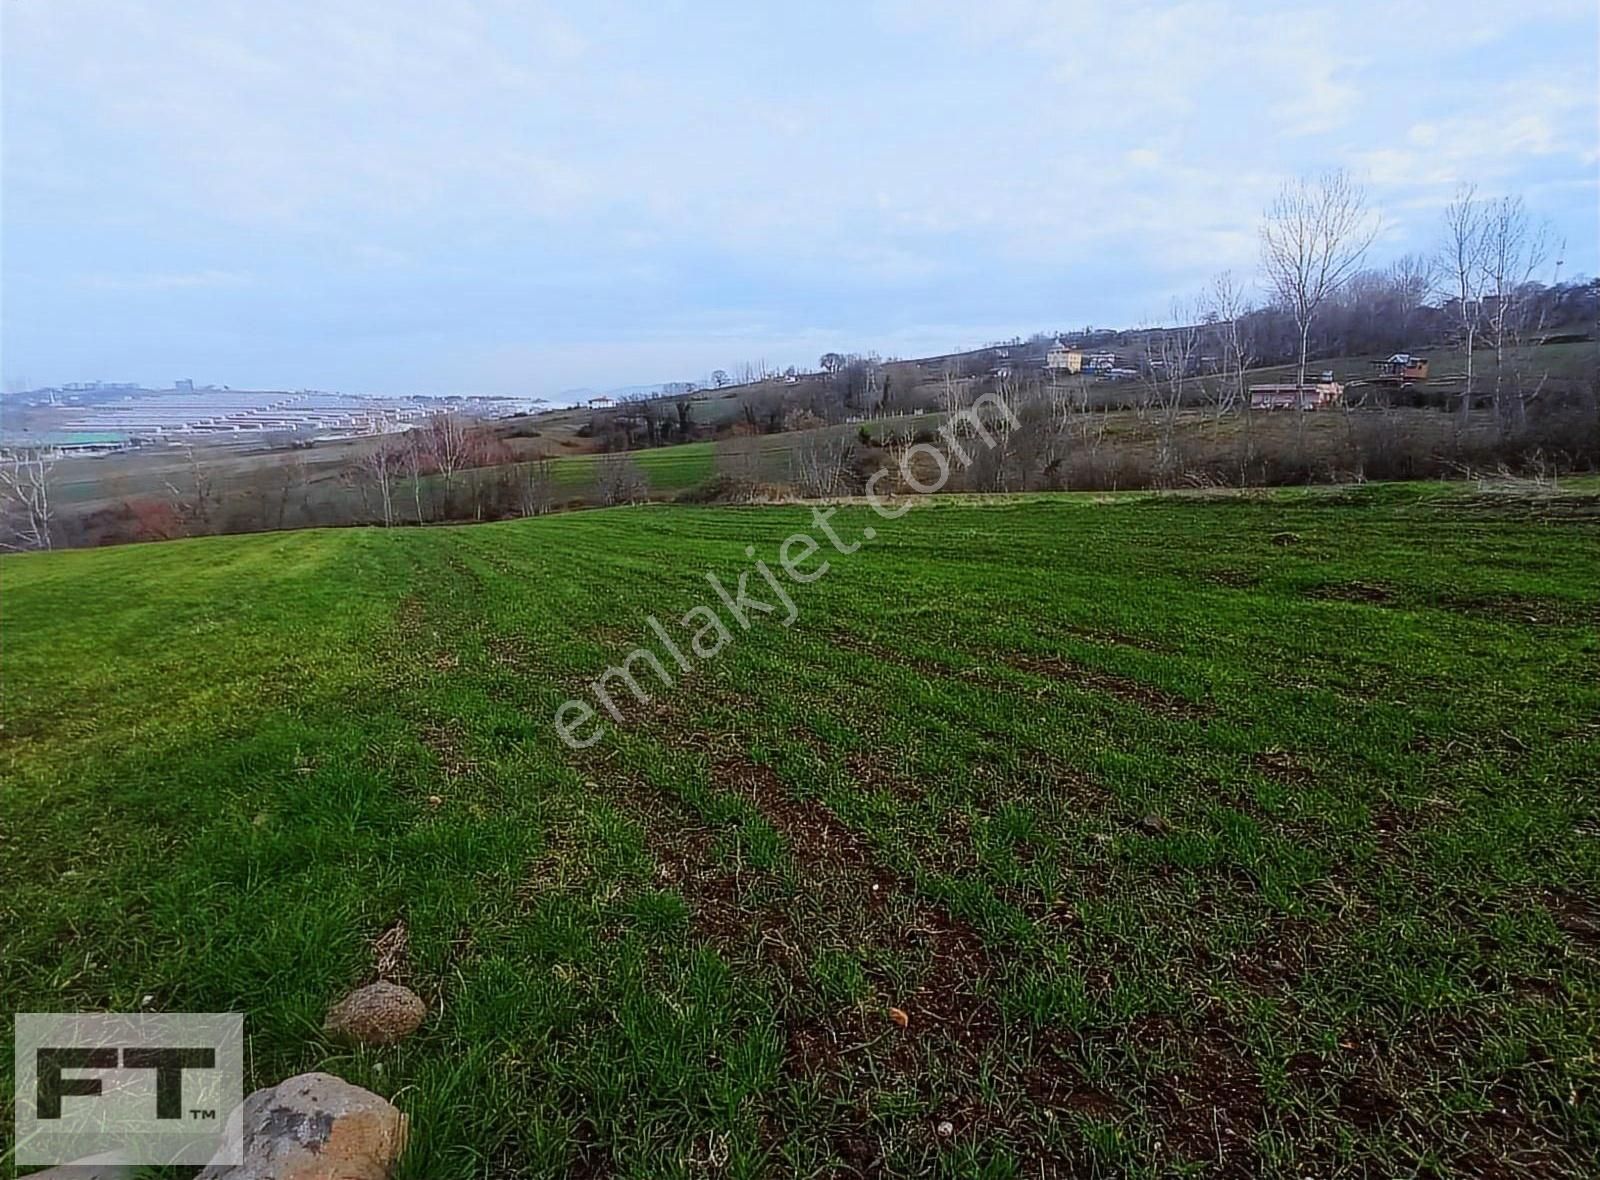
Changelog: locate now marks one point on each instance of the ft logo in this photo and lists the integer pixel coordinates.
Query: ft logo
(146, 1088)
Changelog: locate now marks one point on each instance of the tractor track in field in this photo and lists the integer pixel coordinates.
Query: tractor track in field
(953, 1015)
(951, 1001)
(1507, 607)
(955, 1031)
(1122, 688)
(1064, 669)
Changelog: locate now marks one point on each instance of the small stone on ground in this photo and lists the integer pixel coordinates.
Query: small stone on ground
(378, 1014)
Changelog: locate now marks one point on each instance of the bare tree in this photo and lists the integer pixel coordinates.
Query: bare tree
(1065, 397)
(413, 456)
(1410, 280)
(618, 479)
(872, 393)
(283, 484)
(1085, 431)
(151, 519)
(997, 466)
(25, 499)
(539, 489)
(1225, 305)
(644, 410)
(1514, 248)
(446, 441)
(378, 466)
(302, 478)
(1169, 371)
(820, 465)
(195, 506)
(950, 385)
(1460, 269)
(1313, 240)
(738, 462)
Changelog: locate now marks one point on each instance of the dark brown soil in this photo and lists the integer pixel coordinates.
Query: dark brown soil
(445, 742)
(1367, 592)
(948, 997)
(1146, 696)
(1524, 609)
(1233, 579)
(1577, 917)
(1283, 766)
(1212, 1109)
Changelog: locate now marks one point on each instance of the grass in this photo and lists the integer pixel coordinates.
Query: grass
(666, 469)
(1213, 835)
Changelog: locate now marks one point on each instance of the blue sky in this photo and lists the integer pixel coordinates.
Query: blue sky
(449, 196)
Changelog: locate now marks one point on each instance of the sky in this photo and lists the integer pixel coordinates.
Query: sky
(517, 197)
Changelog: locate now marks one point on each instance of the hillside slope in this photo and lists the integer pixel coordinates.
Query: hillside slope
(1254, 832)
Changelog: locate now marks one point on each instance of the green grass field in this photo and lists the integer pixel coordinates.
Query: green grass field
(1210, 835)
(666, 469)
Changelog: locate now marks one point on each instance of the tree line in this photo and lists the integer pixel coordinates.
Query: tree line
(1489, 293)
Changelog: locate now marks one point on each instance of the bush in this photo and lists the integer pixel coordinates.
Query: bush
(718, 489)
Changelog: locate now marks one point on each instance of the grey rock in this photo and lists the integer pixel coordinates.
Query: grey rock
(315, 1126)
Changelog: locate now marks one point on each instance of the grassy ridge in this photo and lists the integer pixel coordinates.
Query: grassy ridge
(1254, 834)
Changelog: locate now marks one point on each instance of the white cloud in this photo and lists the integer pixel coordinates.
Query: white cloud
(1490, 141)
(557, 166)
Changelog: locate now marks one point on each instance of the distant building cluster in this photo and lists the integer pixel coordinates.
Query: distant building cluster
(1061, 357)
(102, 416)
(98, 387)
(232, 412)
(1401, 369)
(1310, 396)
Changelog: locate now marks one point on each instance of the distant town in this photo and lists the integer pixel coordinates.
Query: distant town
(98, 416)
